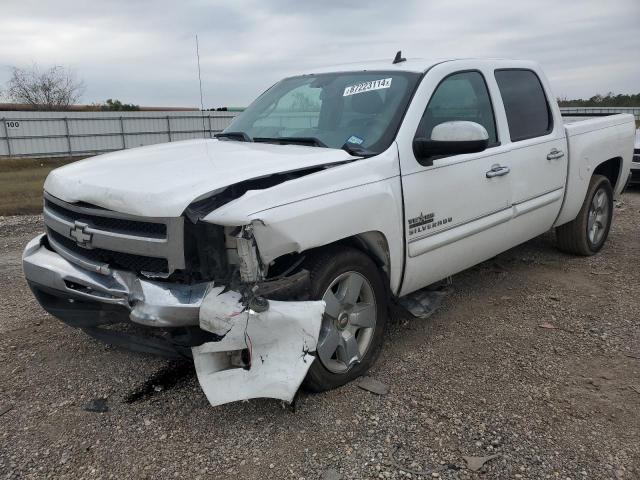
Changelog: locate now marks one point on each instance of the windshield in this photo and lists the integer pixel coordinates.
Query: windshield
(336, 110)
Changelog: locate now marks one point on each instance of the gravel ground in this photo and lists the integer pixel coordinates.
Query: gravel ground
(479, 378)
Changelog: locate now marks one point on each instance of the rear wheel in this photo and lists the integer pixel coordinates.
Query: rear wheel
(588, 232)
(354, 320)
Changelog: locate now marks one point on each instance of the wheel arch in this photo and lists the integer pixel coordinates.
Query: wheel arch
(374, 244)
(578, 183)
(611, 169)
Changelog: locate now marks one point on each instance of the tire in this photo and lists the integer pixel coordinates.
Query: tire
(578, 236)
(335, 273)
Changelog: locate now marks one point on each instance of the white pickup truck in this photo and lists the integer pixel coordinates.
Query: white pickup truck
(272, 253)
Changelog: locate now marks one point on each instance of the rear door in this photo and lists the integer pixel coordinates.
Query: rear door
(453, 209)
(537, 149)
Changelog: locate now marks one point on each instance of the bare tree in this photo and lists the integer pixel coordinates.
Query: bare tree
(52, 89)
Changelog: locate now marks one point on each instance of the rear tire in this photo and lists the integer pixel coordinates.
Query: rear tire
(354, 320)
(588, 232)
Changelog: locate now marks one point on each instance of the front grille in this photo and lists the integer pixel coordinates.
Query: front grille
(84, 233)
(116, 225)
(137, 263)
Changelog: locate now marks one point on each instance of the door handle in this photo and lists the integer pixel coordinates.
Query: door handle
(555, 154)
(497, 171)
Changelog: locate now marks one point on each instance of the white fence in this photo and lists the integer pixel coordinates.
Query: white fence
(49, 134)
(585, 111)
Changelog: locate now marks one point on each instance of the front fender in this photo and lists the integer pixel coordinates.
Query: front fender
(324, 207)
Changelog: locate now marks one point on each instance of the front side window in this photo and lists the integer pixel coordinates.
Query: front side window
(525, 104)
(461, 96)
(362, 109)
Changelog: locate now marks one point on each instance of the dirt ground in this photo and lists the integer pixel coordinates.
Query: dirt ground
(481, 377)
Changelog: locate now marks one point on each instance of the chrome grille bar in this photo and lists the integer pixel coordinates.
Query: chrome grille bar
(92, 228)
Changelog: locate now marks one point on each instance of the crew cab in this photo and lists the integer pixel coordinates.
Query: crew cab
(271, 253)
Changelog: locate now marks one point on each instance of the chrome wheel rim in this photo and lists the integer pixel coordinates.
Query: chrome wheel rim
(598, 219)
(348, 323)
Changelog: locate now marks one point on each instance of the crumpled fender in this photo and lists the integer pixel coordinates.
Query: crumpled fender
(279, 341)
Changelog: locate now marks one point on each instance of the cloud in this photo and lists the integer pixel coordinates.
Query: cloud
(144, 52)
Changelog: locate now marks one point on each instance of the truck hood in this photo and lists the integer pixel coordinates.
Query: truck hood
(162, 180)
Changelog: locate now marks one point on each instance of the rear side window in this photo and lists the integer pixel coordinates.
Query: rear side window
(525, 104)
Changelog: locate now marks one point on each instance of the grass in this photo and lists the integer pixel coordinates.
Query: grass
(21, 181)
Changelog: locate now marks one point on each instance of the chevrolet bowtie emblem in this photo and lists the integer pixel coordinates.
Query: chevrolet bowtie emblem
(80, 235)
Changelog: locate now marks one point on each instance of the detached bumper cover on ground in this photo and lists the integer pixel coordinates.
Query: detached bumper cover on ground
(278, 341)
(255, 354)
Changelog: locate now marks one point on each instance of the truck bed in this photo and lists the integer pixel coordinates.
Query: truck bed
(580, 117)
(590, 141)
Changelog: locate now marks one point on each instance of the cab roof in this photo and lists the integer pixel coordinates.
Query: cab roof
(417, 65)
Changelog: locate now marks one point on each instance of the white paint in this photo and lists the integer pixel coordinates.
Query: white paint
(591, 142)
(418, 65)
(351, 199)
(459, 131)
(483, 224)
(280, 340)
(162, 180)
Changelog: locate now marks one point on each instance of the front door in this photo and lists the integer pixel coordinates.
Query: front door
(456, 208)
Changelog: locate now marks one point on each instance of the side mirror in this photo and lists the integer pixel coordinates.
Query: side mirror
(451, 138)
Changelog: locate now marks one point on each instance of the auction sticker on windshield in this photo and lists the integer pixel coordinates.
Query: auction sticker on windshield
(367, 86)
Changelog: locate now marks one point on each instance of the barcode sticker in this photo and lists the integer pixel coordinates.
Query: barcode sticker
(367, 86)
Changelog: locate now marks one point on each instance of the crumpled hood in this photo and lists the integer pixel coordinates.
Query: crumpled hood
(162, 180)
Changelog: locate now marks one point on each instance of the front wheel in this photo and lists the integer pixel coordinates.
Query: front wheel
(354, 320)
(587, 233)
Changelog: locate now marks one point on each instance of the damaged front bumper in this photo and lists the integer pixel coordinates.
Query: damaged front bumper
(242, 354)
(153, 304)
(261, 354)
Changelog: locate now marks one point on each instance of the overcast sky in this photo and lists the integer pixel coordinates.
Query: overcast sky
(143, 52)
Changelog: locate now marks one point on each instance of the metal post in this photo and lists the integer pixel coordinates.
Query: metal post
(169, 127)
(6, 133)
(210, 132)
(124, 143)
(66, 127)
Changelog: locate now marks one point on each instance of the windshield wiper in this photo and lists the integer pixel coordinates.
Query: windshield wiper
(240, 136)
(311, 141)
(356, 150)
